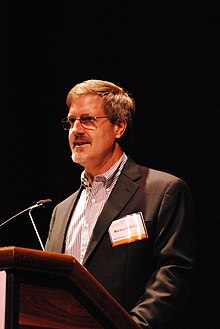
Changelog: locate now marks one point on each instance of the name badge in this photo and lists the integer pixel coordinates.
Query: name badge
(128, 229)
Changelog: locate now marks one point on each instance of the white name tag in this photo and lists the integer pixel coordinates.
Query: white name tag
(128, 229)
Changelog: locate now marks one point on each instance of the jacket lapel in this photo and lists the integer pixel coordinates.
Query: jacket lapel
(123, 191)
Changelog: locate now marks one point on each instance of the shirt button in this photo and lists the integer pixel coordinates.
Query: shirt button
(86, 225)
(93, 200)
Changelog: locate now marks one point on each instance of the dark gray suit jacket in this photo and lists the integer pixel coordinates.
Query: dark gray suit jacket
(150, 278)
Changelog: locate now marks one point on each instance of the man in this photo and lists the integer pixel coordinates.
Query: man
(129, 225)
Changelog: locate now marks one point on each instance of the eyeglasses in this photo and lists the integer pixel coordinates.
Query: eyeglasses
(87, 121)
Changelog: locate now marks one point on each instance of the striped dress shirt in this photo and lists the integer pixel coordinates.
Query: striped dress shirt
(89, 207)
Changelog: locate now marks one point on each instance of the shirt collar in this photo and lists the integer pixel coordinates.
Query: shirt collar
(109, 176)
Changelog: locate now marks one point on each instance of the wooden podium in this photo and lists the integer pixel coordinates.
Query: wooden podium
(45, 290)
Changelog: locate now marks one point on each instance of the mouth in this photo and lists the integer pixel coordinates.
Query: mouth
(78, 144)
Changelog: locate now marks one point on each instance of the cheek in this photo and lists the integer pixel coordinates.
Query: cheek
(106, 139)
(70, 138)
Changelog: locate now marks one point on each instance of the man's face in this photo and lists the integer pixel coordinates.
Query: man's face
(91, 147)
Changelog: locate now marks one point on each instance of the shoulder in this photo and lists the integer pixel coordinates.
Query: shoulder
(152, 177)
(161, 176)
(170, 184)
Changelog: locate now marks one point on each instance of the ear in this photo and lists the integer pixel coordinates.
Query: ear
(120, 127)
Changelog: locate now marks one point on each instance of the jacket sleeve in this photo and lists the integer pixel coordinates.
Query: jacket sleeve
(169, 287)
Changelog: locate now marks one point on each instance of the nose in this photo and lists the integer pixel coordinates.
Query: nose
(76, 127)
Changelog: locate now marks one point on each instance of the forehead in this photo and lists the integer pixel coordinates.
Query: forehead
(86, 104)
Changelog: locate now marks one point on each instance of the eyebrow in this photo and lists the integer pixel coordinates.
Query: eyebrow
(84, 114)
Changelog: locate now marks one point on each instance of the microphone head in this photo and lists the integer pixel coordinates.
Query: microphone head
(44, 203)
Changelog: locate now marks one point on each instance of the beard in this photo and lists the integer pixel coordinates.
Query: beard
(79, 158)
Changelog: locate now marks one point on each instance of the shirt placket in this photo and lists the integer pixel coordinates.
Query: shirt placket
(93, 208)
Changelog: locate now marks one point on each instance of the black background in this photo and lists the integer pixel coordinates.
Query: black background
(166, 54)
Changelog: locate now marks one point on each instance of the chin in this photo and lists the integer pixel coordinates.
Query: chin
(79, 158)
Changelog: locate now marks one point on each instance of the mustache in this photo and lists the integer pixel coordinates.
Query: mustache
(81, 139)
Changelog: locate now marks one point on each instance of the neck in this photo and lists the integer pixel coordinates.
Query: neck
(104, 165)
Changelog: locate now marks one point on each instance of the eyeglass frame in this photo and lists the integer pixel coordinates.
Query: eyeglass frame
(66, 120)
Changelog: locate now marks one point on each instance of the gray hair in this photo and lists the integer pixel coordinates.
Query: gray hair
(118, 104)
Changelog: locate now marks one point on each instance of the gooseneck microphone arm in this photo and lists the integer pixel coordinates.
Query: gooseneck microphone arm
(40, 204)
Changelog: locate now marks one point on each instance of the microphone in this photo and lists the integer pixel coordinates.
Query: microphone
(40, 204)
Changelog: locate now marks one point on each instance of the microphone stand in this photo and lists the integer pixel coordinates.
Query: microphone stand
(41, 203)
(36, 231)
